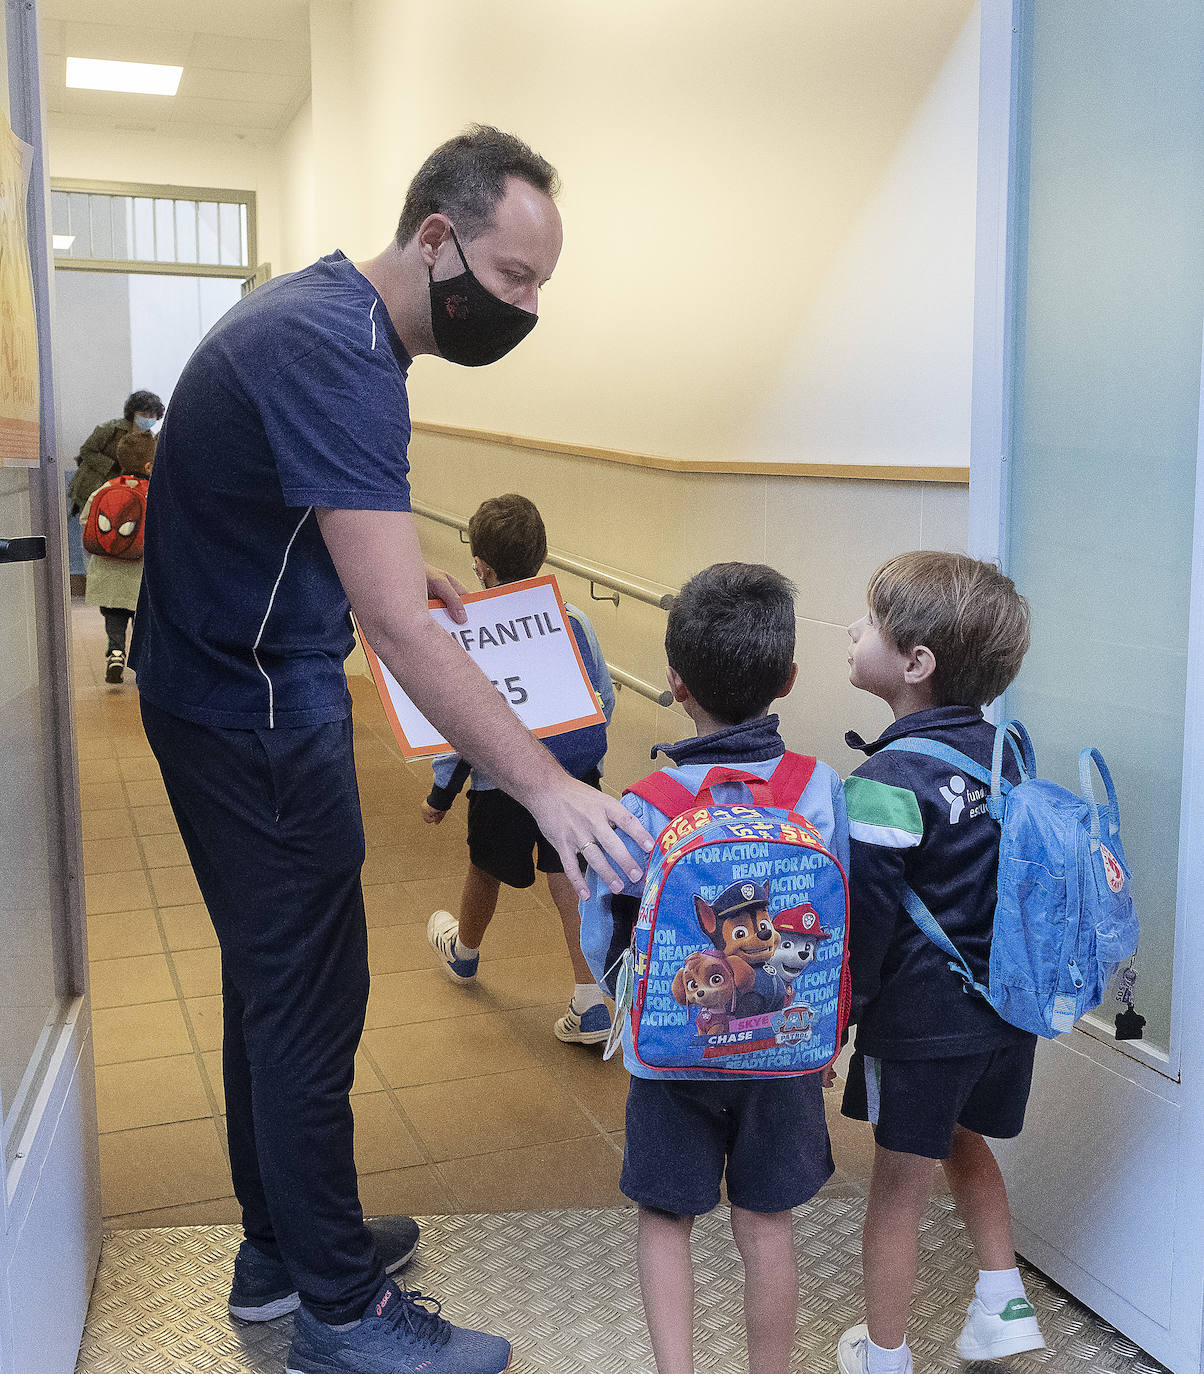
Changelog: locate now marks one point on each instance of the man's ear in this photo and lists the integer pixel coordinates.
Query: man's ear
(681, 693)
(785, 689)
(433, 232)
(921, 665)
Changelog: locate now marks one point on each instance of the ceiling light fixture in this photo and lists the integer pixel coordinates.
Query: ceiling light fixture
(139, 78)
(62, 242)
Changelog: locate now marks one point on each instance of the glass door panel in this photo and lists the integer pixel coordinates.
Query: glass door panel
(30, 1006)
(1109, 296)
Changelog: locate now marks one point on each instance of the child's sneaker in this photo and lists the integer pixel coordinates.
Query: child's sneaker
(588, 1027)
(263, 1289)
(853, 1352)
(995, 1335)
(114, 665)
(441, 932)
(401, 1333)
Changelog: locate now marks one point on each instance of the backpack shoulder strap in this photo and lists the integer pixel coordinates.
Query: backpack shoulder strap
(663, 792)
(914, 744)
(790, 778)
(928, 926)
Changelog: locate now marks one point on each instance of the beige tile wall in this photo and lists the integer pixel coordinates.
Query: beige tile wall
(660, 527)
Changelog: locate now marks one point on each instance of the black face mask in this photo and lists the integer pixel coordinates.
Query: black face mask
(471, 325)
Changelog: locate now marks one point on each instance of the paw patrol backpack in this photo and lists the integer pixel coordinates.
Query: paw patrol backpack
(739, 960)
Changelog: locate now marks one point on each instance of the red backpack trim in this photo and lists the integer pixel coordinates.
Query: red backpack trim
(783, 789)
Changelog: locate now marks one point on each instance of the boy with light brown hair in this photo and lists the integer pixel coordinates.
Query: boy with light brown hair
(935, 1070)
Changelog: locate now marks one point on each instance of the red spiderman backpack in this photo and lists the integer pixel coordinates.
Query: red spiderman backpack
(116, 518)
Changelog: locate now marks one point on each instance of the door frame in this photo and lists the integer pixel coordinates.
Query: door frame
(50, 1215)
(1001, 225)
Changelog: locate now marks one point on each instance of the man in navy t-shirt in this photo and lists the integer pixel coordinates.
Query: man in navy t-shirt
(281, 501)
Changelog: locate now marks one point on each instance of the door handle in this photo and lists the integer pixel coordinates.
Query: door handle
(27, 550)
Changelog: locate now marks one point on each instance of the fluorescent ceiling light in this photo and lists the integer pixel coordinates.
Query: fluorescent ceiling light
(142, 78)
(62, 242)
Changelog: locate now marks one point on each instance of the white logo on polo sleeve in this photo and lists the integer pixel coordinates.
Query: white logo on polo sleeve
(954, 795)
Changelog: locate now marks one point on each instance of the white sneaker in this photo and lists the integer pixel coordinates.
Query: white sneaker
(441, 932)
(853, 1351)
(995, 1335)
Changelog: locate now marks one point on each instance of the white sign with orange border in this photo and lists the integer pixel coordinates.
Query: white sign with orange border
(520, 638)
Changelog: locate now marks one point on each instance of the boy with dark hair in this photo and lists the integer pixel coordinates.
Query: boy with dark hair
(934, 1070)
(730, 646)
(509, 543)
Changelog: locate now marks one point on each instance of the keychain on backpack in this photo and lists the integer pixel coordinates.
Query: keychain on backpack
(1129, 1022)
(624, 996)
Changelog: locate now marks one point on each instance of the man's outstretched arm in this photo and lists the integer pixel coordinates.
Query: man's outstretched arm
(379, 562)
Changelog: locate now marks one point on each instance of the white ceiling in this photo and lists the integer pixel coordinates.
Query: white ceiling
(246, 64)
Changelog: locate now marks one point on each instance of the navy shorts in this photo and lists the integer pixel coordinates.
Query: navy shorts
(769, 1136)
(914, 1104)
(502, 836)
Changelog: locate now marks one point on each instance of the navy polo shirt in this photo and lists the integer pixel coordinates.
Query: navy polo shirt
(294, 401)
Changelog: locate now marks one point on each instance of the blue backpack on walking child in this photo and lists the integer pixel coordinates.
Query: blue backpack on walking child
(739, 962)
(1064, 915)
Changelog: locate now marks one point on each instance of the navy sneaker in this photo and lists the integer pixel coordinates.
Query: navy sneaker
(441, 932)
(262, 1289)
(401, 1333)
(588, 1027)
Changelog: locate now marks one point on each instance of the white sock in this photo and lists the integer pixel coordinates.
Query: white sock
(464, 951)
(586, 995)
(997, 1287)
(879, 1360)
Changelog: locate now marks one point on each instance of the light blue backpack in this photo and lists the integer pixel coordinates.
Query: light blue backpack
(1064, 916)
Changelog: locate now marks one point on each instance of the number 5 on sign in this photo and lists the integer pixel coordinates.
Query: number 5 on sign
(519, 635)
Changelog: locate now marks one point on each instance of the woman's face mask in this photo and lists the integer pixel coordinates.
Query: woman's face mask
(145, 422)
(471, 325)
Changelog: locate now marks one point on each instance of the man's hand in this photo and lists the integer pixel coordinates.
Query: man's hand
(829, 1076)
(380, 565)
(431, 815)
(441, 586)
(580, 820)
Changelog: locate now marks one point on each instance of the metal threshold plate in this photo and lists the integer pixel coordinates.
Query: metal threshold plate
(561, 1286)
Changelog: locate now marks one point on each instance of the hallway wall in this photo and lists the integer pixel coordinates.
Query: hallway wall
(769, 236)
(768, 213)
(685, 521)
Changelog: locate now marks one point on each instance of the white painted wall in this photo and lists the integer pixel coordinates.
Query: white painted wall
(297, 196)
(768, 212)
(880, 370)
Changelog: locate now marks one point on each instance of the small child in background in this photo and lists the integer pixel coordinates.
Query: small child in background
(730, 646)
(508, 542)
(114, 580)
(935, 1069)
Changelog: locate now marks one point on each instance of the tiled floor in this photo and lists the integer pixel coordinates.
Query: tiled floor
(464, 1100)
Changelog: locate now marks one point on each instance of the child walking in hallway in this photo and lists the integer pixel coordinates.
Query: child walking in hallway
(114, 577)
(509, 543)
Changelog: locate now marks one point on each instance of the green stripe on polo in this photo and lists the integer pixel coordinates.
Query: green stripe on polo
(883, 815)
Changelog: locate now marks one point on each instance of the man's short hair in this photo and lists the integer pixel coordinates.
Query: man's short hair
(142, 403)
(966, 611)
(465, 178)
(730, 638)
(507, 533)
